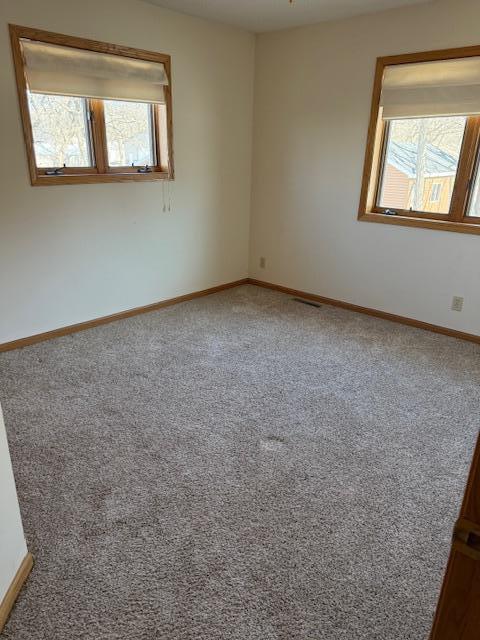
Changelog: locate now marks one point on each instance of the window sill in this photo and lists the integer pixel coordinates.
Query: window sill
(405, 221)
(86, 178)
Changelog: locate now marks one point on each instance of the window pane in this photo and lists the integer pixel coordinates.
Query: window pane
(474, 205)
(129, 133)
(60, 131)
(421, 162)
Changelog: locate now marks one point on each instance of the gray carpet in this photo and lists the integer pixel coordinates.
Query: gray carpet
(239, 467)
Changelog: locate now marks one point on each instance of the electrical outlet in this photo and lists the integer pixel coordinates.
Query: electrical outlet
(457, 303)
(263, 263)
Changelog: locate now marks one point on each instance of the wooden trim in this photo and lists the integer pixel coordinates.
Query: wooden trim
(369, 211)
(115, 169)
(14, 589)
(168, 101)
(99, 141)
(424, 223)
(407, 213)
(465, 170)
(378, 166)
(453, 603)
(90, 324)
(384, 315)
(471, 219)
(373, 151)
(84, 43)
(68, 171)
(101, 172)
(94, 178)
(156, 136)
(18, 63)
(470, 508)
(431, 56)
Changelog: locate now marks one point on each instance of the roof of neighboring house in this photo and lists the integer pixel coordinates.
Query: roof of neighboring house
(403, 156)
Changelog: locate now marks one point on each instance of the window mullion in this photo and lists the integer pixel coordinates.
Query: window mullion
(381, 159)
(98, 134)
(466, 168)
(156, 135)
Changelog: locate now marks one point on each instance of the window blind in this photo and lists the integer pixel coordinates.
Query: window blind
(445, 87)
(59, 70)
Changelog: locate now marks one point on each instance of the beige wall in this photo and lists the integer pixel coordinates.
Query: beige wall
(72, 253)
(312, 99)
(12, 541)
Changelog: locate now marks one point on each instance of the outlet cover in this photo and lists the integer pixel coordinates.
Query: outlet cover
(457, 303)
(263, 263)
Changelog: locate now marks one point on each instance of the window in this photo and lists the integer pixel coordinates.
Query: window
(61, 132)
(129, 129)
(418, 153)
(422, 158)
(92, 112)
(436, 191)
(474, 204)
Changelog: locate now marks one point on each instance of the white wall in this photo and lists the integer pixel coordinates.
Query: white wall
(73, 253)
(312, 99)
(12, 541)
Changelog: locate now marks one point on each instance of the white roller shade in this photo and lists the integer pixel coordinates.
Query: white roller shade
(67, 71)
(440, 88)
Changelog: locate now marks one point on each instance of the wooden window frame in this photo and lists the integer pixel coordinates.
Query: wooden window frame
(101, 172)
(456, 219)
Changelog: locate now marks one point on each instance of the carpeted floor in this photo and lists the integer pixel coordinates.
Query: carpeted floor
(239, 467)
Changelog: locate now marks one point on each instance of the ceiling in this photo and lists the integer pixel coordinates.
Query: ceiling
(269, 15)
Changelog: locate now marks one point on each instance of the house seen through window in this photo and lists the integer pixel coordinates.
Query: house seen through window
(421, 163)
(423, 153)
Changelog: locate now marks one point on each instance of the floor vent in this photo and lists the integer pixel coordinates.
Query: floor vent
(309, 302)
